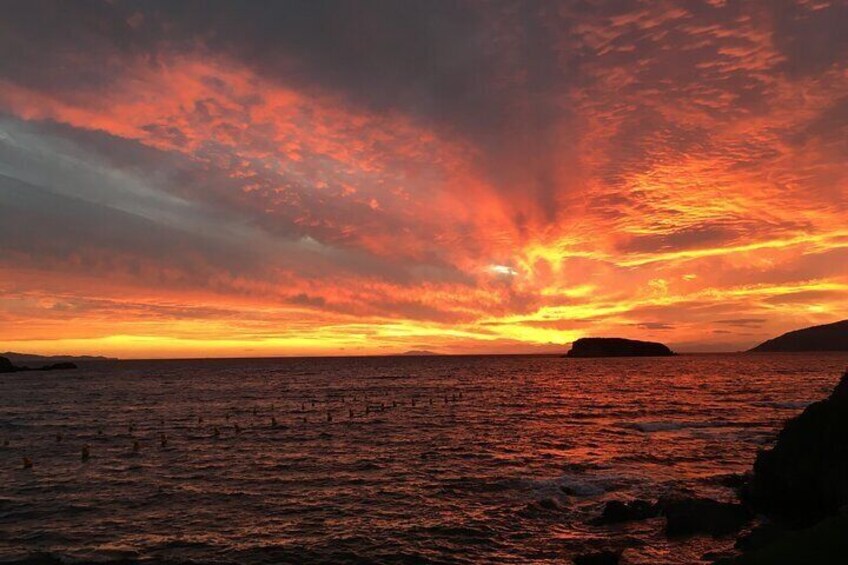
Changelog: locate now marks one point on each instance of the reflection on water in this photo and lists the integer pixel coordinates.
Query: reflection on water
(388, 460)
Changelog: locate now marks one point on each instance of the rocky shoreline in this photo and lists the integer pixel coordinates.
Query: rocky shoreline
(796, 498)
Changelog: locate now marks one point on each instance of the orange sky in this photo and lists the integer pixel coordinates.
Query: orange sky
(290, 179)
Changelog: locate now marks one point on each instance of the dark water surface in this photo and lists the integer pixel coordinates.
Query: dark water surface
(500, 460)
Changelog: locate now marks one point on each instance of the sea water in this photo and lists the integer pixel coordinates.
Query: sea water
(489, 459)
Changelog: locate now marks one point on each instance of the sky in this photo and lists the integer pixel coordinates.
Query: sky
(225, 179)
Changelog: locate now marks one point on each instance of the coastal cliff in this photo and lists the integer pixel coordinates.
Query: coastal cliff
(617, 347)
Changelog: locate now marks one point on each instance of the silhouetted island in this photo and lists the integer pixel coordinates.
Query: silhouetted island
(419, 353)
(617, 347)
(6, 366)
(828, 337)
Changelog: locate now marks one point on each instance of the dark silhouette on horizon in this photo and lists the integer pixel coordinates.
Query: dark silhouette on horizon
(617, 347)
(827, 337)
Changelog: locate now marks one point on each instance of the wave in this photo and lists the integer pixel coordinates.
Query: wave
(666, 426)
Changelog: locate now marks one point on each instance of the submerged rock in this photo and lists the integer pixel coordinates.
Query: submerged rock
(607, 557)
(617, 512)
(804, 477)
(685, 514)
(617, 347)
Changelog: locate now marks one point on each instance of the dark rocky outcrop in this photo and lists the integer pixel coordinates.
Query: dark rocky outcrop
(829, 337)
(825, 543)
(691, 516)
(685, 515)
(617, 512)
(617, 347)
(804, 477)
(6, 366)
(801, 486)
(607, 557)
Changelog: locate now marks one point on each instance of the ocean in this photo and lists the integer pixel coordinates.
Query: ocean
(470, 460)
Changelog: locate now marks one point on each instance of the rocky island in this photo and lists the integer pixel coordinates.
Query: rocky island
(617, 347)
(827, 337)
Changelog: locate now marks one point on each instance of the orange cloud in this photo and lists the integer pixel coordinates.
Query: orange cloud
(677, 173)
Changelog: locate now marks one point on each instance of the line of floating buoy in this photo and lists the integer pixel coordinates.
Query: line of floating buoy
(85, 451)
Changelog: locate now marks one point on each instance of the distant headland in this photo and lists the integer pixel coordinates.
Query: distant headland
(617, 347)
(828, 337)
(11, 362)
(6, 366)
(24, 358)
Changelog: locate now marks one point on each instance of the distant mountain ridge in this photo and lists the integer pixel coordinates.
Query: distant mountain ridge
(32, 358)
(827, 337)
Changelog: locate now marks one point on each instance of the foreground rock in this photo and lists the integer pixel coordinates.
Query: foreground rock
(617, 347)
(684, 515)
(692, 516)
(804, 477)
(829, 337)
(801, 485)
(825, 543)
(6, 366)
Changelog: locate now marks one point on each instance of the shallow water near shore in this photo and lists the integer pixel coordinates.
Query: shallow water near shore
(381, 460)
